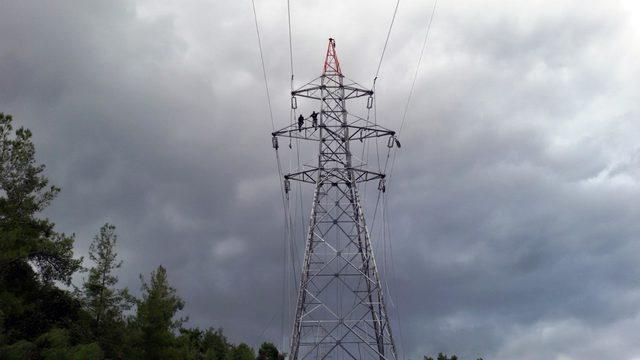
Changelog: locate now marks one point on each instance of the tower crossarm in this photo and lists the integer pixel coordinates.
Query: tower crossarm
(334, 175)
(315, 91)
(356, 132)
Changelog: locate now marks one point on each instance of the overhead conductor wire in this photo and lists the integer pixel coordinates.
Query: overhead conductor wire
(373, 86)
(386, 230)
(293, 115)
(380, 193)
(415, 77)
(386, 42)
(292, 242)
(282, 190)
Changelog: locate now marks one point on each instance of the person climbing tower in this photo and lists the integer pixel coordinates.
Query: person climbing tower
(300, 122)
(314, 119)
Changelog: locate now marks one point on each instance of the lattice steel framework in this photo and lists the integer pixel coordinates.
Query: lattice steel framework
(340, 312)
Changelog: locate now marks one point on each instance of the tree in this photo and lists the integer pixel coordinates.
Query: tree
(197, 344)
(155, 315)
(190, 344)
(32, 255)
(104, 303)
(442, 356)
(215, 345)
(269, 351)
(241, 352)
(56, 344)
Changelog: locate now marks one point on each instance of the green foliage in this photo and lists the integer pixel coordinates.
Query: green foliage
(197, 344)
(85, 351)
(22, 349)
(55, 338)
(215, 345)
(52, 345)
(103, 302)
(56, 345)
(190, 343)
(241, 352)
(24, 192)
(32, 255)
(155, 316)
(269, 351)
(442, 356)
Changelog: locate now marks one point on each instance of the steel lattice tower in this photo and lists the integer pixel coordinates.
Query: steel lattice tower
(340, 312)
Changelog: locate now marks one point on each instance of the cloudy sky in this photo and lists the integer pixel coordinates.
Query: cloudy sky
(514, 203)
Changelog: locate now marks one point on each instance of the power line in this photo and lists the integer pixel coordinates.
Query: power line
(285, 200)
(413, 84)
(375, 78)
(386, 230)
(264, 70)
(290, 41)
(386, 42)
(415, 75)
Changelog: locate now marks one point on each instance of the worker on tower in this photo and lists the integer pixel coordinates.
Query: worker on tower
(314, 119)
(300, 122)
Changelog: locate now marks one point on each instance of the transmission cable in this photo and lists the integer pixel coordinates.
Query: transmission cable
(386, 42)
(413, 84)
(415, 75)
(264, 70)
(385, 223)
(375, 78)
(288, 231)
(290, 41)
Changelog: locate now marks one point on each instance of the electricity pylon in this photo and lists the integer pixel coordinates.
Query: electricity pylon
(340, 312)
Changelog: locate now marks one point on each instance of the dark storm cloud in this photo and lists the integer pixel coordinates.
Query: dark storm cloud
(130, 134)
(515, 230)
(513, 204)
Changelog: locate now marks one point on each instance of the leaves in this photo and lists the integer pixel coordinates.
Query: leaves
(269, 351)
(155, 315)
(24, 193)
(442, 356)
(33, 256)
(104, 303)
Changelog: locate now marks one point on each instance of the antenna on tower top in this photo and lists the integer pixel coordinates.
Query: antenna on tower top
(331, 63)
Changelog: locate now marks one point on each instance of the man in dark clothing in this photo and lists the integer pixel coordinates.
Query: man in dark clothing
(314, 118)
(300, 122)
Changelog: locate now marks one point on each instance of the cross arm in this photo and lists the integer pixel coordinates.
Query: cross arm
(334, 175)
(310, 132)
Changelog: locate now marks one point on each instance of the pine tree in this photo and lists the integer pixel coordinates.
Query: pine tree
(202, 345)
(241, 352)
(104, 303)
(155, 316)
(442, 356)
(216, 345)
(33, 256)
(269, 351)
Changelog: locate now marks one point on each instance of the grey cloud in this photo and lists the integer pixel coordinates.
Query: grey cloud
(512, 205)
